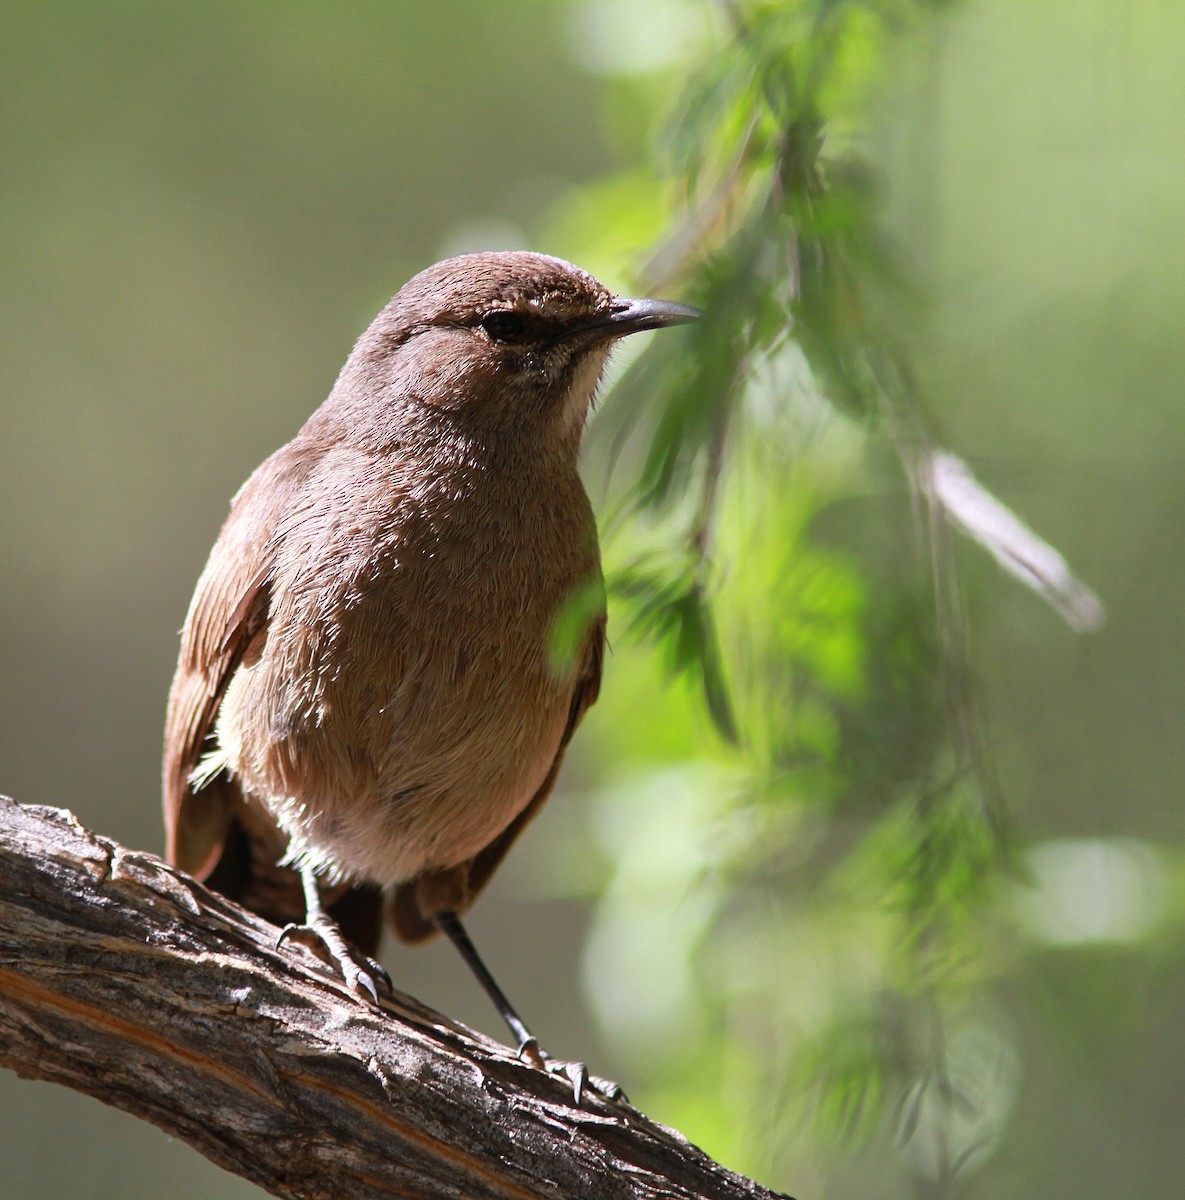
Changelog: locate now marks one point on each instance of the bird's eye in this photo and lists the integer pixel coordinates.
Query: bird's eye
(504, 326)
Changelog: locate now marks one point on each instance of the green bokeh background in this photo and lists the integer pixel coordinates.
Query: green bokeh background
(203, 205)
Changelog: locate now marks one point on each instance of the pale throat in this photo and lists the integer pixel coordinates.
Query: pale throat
(578, 402)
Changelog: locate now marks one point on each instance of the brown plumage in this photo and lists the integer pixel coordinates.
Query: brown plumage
(369, 698)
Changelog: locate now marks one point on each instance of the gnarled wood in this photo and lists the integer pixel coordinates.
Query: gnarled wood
(123, 978)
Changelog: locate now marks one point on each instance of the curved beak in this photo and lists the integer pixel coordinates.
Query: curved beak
(627, 316)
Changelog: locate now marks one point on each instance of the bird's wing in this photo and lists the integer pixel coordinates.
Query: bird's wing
(213, 831)
(407, 914)
(225, 627)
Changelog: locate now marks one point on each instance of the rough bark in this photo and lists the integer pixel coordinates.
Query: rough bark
(124, 978)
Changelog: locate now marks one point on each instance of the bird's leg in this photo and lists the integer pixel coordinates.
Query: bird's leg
(450, 925)
(528, 1045)
(363, 975)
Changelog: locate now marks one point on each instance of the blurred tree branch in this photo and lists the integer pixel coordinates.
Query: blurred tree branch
(123, 978)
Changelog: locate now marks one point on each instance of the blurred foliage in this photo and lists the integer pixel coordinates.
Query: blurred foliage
(837, 856)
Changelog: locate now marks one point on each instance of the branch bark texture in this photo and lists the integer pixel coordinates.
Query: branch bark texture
(124, 978)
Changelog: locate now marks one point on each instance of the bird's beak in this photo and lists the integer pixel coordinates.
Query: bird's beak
(633, 316)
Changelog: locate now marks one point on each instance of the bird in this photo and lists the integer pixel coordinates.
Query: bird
(402, 620)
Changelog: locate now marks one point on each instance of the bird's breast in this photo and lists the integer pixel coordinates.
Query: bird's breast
(410, 698)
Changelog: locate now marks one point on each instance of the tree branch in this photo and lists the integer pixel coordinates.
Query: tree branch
(124, 978)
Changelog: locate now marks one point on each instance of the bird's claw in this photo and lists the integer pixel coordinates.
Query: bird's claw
(576, 1073)
(362, 975)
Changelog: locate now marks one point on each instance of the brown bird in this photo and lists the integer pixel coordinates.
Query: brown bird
(402, 621)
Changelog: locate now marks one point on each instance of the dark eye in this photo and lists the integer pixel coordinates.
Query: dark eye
(504, 326)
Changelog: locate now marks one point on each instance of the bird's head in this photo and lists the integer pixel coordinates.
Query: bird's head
(502, 340)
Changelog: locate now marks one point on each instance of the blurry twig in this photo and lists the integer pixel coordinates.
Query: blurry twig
(971, 508)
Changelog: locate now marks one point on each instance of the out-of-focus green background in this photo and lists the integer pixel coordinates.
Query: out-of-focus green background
(202, 206)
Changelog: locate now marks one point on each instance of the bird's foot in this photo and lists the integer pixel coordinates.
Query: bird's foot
(362, 974)
(576, 1074)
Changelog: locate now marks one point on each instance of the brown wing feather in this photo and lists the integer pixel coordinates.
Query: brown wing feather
(228, 614)
(226, 623)
(409, 920)
(215, 832)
